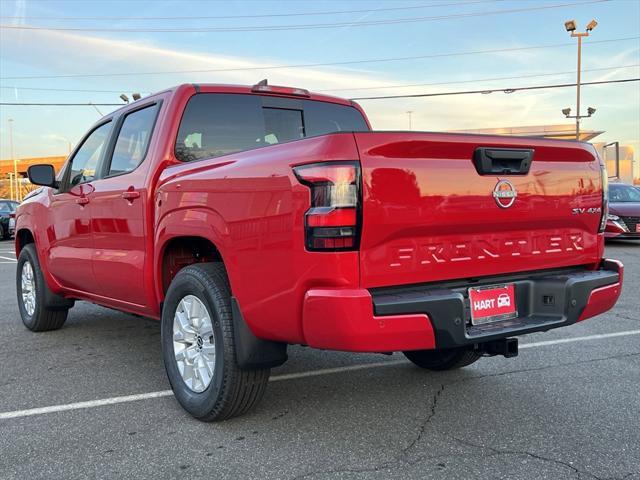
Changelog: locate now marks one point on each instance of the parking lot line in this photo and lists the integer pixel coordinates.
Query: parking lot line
(290, 376)
(7, 258)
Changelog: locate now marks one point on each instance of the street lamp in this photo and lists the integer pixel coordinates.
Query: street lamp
(409, 112)
(15, 160)
(570, 26)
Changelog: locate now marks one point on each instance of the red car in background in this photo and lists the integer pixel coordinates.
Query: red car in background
(623, 220)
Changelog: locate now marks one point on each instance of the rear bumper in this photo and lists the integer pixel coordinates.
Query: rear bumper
(437, 316)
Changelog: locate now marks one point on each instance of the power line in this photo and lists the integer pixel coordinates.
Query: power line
(323, 64)
(440, 94)
(265, 15)
(303, 26)
(476, 80)
(382, 87)
(504, 90)
(44, 89)
(91, 104)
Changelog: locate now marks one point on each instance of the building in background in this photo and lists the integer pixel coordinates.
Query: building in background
(7, 190)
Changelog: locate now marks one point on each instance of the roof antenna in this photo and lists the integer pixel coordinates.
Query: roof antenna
(262, 83)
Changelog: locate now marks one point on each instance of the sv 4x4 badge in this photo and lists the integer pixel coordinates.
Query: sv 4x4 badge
(580, 211)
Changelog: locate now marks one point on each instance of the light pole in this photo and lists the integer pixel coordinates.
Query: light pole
(570, 26)
(409, 112)
(10, 175)
(15, 160)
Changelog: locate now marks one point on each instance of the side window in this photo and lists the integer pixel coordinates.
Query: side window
(85, 161)
(321, 118)
(133, 140)
(215, 124)
(219, 124)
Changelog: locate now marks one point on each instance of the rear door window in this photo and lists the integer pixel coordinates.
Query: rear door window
(215, 124)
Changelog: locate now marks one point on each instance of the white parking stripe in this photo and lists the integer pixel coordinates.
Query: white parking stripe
(290, 376)
(81, 405)
(329, 371)
(580, 339)
(7, 258)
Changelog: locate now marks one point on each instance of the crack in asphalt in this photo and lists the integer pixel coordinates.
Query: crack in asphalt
(624, 477)
(401, 457)
(537, 456)
(547, 367)
(423, 426)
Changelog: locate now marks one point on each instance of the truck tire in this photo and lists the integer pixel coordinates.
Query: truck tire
(443, 359)
(40, 309)
(199, 350)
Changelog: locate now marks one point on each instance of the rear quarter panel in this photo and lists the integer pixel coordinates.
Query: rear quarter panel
(251, 206)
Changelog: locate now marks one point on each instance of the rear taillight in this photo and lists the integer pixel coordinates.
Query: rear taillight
(333, 221)
(605, 197)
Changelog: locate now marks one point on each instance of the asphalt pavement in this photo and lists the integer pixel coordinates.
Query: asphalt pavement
(566, 407)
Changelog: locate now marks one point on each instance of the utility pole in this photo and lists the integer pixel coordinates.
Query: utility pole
(570, 26)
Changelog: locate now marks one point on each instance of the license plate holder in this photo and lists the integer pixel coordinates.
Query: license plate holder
(493, 303)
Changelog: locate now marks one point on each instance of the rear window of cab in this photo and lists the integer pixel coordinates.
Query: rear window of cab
(215, 124)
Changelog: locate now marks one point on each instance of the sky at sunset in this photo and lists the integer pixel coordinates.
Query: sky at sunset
(91, 51)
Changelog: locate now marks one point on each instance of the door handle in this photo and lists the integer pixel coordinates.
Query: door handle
(503, 161)
(82, 201)
(130, 195)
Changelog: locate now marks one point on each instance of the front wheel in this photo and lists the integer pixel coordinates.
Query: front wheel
(443, 359)
(199, 349)
(39, 308)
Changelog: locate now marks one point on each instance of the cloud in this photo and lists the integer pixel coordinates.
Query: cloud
(67, 53)
(19, 12)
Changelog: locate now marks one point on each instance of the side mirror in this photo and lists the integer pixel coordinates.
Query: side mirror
(42, 174)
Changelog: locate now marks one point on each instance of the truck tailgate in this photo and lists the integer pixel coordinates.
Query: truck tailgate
(429, 215)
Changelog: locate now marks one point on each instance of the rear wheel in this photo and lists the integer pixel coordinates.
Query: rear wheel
(443, 359)
(40, 309)
(199, 349)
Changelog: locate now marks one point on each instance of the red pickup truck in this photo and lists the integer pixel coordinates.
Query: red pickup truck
(250, 218)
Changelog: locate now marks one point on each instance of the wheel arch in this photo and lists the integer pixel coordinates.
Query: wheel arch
(181, 251)
(183, 237)
(23, 237)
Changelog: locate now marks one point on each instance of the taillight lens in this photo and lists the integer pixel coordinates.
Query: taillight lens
(333, 221)
(605, 197)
